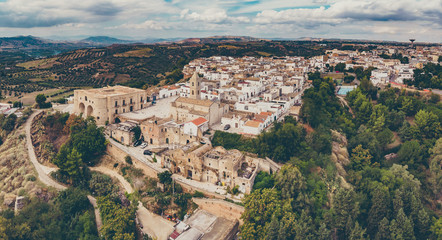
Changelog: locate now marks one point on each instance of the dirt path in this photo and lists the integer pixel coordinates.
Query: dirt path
(152, 224)
(44, 171)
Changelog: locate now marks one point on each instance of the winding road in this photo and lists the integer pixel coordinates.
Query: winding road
(153, 225)
(44, 171)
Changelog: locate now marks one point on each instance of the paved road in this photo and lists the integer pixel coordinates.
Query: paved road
(153, 225)
(44, 171)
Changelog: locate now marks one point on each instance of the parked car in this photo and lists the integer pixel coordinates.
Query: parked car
(227, 127)
(137, 143)
(147, 152)
(143, 145)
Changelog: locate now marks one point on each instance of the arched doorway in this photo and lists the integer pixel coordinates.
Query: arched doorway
(81, 107)
(90, 110)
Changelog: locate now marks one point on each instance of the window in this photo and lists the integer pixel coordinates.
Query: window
(193, 84)
(124, 110)
(85, 98)
(116, 111)
(116, 103)
(131, 101)
(188, 159)
(141, 99)
(124, 102)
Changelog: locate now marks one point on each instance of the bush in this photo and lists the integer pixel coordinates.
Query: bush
(198, 194)
(235, 190)
(128, 160)
(60, 100)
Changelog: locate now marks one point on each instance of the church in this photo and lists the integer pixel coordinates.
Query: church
(185, 109)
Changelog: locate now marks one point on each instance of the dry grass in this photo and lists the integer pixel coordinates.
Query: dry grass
(29, 98)
(40, 64)
(17, 174)
(229, 47)
(144, 52)
(265, 54)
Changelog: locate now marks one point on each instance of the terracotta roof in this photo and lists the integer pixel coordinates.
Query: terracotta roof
(199, 121)
(206, 103)
(252, 123)
(266, 113)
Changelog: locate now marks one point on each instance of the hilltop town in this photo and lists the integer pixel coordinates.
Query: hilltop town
(235, 95)
(179, 129)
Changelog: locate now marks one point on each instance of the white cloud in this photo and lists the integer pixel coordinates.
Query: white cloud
(375, 19)
(212, 15)
(350, 10)
(148, 24)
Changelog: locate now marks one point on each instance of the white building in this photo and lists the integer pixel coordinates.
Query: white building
(196, 126)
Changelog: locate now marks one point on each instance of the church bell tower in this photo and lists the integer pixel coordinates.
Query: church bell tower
(195, 86)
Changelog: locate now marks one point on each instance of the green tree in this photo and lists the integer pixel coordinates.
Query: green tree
(380, 208)
(340, 67)
(357, 233)
(69, 161)
(406, 225)
(394, 120)
(137, 133)
(435, 165)
(40, 99)
(383, 232)
(423, 224)
(272, 229)
(9, 123)
(360, 158)
(428, 124)
(90, 142)
(323, 232)
(290, 181)
(436, 228)
(410, 154)
(259, 207)
(165, 177)
(345, 206)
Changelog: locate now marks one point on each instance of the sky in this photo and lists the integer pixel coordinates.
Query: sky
(396, 20)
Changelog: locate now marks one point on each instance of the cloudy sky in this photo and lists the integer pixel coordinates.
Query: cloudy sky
(138, 19)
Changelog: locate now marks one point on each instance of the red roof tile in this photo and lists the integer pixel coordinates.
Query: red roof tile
(199, 121)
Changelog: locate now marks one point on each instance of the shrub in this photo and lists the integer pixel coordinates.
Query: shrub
(198, 194)
(128, 160)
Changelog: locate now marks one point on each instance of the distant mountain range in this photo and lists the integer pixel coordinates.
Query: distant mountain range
(40, 47)
(104, 40)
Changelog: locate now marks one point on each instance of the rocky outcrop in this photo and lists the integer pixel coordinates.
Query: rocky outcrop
(340, 156)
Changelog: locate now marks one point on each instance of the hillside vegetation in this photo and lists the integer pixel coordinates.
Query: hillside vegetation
(134, 65)
(344, 179)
